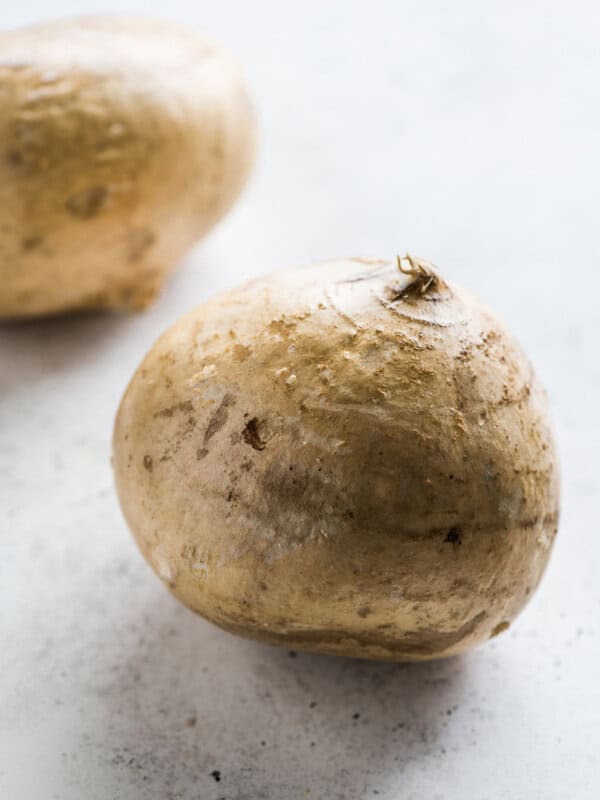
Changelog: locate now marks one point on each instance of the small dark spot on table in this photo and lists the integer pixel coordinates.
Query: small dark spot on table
(292, 654)
(356, 715)
(216, 774)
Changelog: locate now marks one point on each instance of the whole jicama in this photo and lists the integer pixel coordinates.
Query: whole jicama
(350, 458)
(123, 140)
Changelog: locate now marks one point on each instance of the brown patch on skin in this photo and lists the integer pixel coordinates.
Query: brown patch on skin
(14, 158)
(241, 352)
(139, 240)
(185, 407)
(251, 434)
(148, 463)
(31, 242)
(500, 628)
(219, 418)
(290, 487)
(87, 203)
(185, 427)
(281, 326)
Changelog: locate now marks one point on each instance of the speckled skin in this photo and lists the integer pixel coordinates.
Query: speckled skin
(313, 461)
(122, 141)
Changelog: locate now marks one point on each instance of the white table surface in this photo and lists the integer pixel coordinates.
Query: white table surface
(468, 133)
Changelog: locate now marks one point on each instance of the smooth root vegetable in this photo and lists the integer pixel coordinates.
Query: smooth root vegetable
(122, 141)
(348, 458)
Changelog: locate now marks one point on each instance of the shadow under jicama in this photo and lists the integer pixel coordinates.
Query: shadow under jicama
(49, 346)
(199, 713)
(59, 344)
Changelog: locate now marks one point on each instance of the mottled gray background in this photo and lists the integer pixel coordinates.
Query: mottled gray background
(468, 133)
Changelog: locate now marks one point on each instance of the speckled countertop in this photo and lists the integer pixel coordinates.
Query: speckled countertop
(468, 134)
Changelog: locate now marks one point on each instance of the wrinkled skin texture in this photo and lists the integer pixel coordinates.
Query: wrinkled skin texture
(313, 462)
(122, 141)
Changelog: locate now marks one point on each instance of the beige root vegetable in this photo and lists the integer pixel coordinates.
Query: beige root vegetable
(349, 458)
(122, 141)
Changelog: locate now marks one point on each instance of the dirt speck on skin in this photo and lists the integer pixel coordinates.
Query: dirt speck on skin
(251, 434)
(14, 158)
(31, 242)
(500, 628)
(201, 453)
(185, 407)
(87, 203)
(241, 352)
(139, 240)
(219, 418)
(453, 536)
(148, 463)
